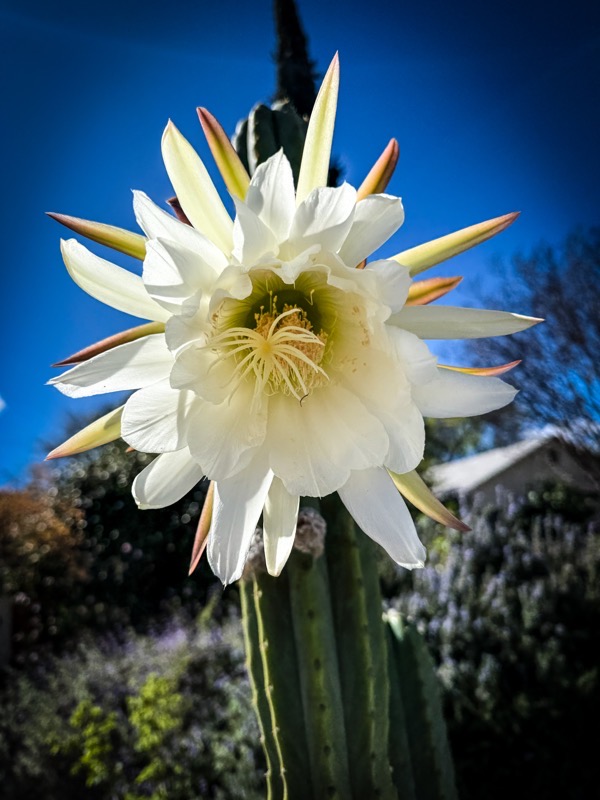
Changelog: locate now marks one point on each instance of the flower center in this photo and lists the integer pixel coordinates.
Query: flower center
(281, 353)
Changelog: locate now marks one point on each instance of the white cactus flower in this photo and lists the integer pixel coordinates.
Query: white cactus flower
(275, 367)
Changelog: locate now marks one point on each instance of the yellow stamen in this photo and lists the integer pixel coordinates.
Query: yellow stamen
(281, 354)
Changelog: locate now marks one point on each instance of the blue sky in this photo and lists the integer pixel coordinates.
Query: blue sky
(495, 108)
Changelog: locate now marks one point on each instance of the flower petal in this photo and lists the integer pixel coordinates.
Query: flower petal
(224, 436)
(279, 526)
(451, 322)
(431, 253)
(314, 446)
(489, 372)
(159, 224)
(421, 293)
(166, 480)
(130, 335)
(416, 491)
(237, 506)
(454, 394)
(271, 195)
(324, 218)
(203, 528)
(195, 190)
(378, 508)
(155, 418)
(376, 219)
(406, 432)
(252, 238)
(227, 160)
(394, 281)
(132, 244)
(128, 366)
(113, 285)
(418, 362)
(381, 172)
(173, 274)
(314, 168)
(101, 431)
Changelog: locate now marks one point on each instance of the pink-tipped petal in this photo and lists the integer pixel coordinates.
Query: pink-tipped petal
(102, 431)
(132, 244)
(431, 253)
(381, 172)
(487, 372)
(232, 170)
(102, 346)
(421, 293)
(416, 491)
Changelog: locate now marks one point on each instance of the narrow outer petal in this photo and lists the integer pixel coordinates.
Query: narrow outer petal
(381, 171)
(132, 244)
(227, 160)
(101, 431)
(195, 190)
(450, 322)
(279, 526)
(166, 479)
(421, 293)
(378, 508)
(237, 506)
(130, 335)
(113, 285)
(314, 168)
(416, 491)
(431, 253)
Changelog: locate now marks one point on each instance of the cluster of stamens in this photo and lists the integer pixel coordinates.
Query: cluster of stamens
(282, 353)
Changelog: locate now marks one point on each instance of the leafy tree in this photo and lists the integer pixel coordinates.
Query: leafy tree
(560, 382)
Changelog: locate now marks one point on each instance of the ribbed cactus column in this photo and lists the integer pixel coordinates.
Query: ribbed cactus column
(317, 657)
(348, 706)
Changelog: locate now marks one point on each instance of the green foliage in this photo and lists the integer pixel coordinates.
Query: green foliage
(93, 732)
(165, 717)
(512, 615)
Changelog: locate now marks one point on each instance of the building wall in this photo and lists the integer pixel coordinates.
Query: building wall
(551, 462)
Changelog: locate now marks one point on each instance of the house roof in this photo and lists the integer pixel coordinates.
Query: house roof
(467, 474)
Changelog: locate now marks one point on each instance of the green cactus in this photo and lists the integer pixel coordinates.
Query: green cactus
(348, 705)
(418, 705)
(268, 129)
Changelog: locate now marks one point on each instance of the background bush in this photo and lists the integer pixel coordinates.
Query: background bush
(156, 717)
(511, 612)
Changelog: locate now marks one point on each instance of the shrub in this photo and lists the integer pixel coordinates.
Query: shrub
(158, 717)
(511, 612)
